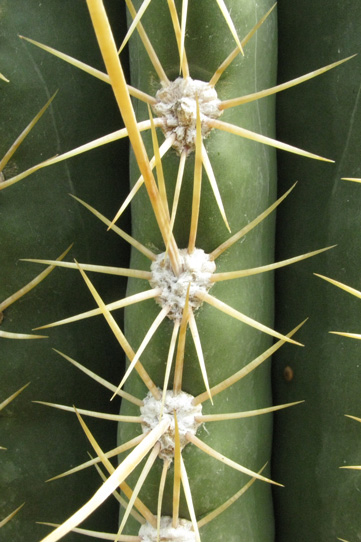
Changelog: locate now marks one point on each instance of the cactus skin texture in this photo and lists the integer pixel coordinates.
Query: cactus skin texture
(39, 218)
(309, 444)
(227, 344)
(320, 502)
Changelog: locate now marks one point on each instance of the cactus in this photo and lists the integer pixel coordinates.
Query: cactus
(321, 439)
(228, 337)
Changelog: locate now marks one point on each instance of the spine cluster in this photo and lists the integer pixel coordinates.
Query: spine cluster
(201, 188)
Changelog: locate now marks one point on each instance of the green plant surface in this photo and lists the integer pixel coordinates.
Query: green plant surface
(227, 344)
(40, 219)
(43, 220)
(320, 500)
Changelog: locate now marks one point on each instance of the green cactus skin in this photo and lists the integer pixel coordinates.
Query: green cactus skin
(314, 486)
(320, 501)
(39, 218)
(245, 172)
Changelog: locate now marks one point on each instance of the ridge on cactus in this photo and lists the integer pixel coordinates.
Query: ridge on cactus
(185, 359)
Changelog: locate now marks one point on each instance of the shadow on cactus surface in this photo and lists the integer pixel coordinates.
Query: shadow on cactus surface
(188, 350)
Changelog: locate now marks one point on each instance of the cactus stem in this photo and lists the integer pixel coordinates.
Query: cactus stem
(70, 60)
(355, 180)
(133, 242)
(112, 453)
(217, 277)
(127, 490)
(220, 305)
(119, 335)
(241, 233)
(140, 519)
(24, 133)
(242, 132)
(116, 478)
(109, 138)
(165, 146)
(130, 300)
(245, 370)
(25, 289)
(212, 515)
(159, 429)
(226, 63)
(102, 381)
(144, 97)
(216, 455)
(233, 102)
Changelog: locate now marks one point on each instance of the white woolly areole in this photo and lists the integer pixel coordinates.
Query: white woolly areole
(176, 105)
(186, 413)
(182, 533)
(195, 268)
